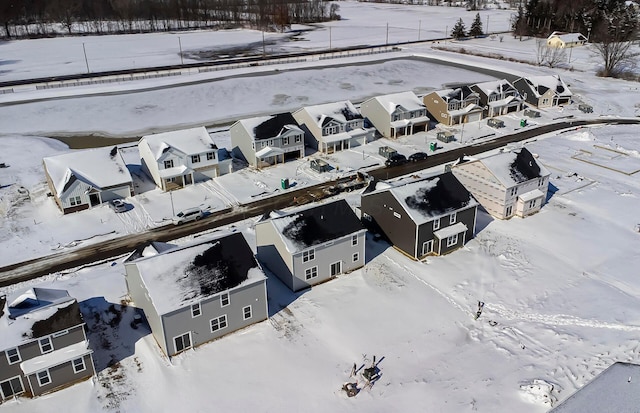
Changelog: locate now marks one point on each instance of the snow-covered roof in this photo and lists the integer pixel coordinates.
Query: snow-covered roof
(617, 389)
(457, 94)
(267, 127)
(315, 225)
(514, 167)
(22, 311)
(56, 357)
(408, 100)
(191, 141)
(495, 86)
(431, 198)
(568, 37)
(99, 168)
(342, 112)
(181, 276)
(541, 84)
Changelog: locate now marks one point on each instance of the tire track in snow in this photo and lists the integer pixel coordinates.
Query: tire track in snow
(216, 189)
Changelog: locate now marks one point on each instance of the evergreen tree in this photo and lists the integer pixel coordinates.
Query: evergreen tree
(476, 27)
(459, 30)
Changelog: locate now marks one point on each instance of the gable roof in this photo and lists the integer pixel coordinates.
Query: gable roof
(458, 94)
(274, 125)
(407, 100)
(178, 277)
(568, 37)
(431, 198)
(188, 141)
(495, 86)
(541, 84)
(617, 389)
(312, 226)
(99, 168)
(341, 112)
(514, 167)
(34, 313)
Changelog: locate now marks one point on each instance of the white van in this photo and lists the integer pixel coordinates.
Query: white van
(187, 215)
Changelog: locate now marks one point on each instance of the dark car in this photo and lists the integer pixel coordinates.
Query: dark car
(418, 156)
(395, 160)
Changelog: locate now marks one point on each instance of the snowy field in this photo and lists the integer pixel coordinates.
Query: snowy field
(560, 287)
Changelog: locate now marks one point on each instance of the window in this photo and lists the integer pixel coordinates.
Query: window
(75, 200)
(195, 158)
(310, 273)
(78, 365)
(11, 387)
(540, 181)
(270, 142)
(336, 268)
(168, 164)
(427, 247)
(308, 255)
(195, 310)
(436, 224)
(354, 240)
(211, 156)
(182, 342)
(452, 240)
(219, 323)
(395, 214)
(514, 191)
(532, 203)
(60, 333)
(298, 139)
(330, 130)
(509, 210)
(285, 140)
(246, 312)
(45, 345)
(452, 218)
(43, 377)
(356, 256)
(224, 300)
(13, 356)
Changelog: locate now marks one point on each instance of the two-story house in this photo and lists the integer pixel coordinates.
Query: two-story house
(179, 158)
(506, 184)
(396, 114)
(82, 179)
(433, 216)
(311, 245)
(197, 292)
(268, 140)
(333, 127)
(454, 106)
(43, 346)
(498, 97)
(543, 91)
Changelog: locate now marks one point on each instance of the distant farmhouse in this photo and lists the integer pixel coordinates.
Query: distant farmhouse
(561, 40)
(312, 245)
(543, 91)
(198, 292)
(268, 140)
(454, 106)
(83, 179)
(506, 184)
(498, 97)
(432, 216)
(396, 114)
(333, 127)
(180, 158)
(43, 341)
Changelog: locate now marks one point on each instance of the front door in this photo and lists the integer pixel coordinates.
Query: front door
(187, 180)
(427, 247)
(336, 268)
(182, 342)
(94, 199)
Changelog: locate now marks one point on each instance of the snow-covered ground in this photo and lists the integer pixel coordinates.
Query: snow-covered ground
(560, 287)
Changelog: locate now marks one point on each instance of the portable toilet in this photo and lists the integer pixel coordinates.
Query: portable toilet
(284, 183)
(433, 146)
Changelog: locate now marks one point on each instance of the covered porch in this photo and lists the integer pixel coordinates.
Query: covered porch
(409, 126)
(176, 178)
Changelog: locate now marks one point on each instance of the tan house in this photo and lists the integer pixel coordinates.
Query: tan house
(543, 91)
(506, 184)
(396, 114)
(561, 40)
(454, 106)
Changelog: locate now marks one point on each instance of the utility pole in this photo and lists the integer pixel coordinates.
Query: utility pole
(173, 211)
(86, 61)
(264, 52)
(387, 41)
(329, 37)
(180, 45)
(487, 25)
(419, 28)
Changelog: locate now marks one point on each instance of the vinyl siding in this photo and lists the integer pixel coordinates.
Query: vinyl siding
(377, 115)
(272, 252)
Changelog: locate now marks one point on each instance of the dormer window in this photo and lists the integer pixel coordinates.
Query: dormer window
(168, 164)
(195, 158)
(211, 156)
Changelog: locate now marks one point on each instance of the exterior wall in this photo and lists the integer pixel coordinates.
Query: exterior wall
(149, 163)
(483, 186)
(61, 375)
(181, 321)
(302, 117)
(242, 139)
(520, 207)
(426, 233)
(401, 231)
(138, 292)
(377, 115)
(272, 252)
(525, 91)
(438, 108)
(339, 250)
(78, 188)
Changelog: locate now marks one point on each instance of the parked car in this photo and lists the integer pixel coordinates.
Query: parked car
(418, 156)
(118, 205)
(187, 215)
(395, 160)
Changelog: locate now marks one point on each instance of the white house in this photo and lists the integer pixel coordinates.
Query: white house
(179, 158)
(396, 114)
(82, 179)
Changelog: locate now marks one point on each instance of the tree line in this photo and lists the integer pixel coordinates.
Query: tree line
(42, 18)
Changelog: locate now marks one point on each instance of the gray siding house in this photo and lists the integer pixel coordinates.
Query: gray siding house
(396, 114)
(43, 346)
(543, 91)
(268, 140)
(498, 97)
(199, 292)
(507, 183)
(454, 106)
(429, 217)
(312, 245)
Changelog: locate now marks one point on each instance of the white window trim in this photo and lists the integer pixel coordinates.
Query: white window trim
(354, 240)
(196, 308)
(17, 353)
(4, 396)
(341, 268)
(175, 348)
(222, 318)
(356, 256)
(59, 333)
(310, 271)
(222, 304)
(47, 339)
(426, 250)
(244, 312)
(84, 365)
(309, 255)
(48, 377)
(436, 224)
(452, 218)
(453, 238)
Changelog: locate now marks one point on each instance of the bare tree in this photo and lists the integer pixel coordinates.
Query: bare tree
(549, 56)
(617, 56)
